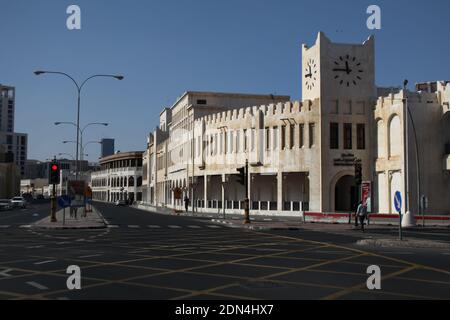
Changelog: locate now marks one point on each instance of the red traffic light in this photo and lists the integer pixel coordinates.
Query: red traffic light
(54, 167)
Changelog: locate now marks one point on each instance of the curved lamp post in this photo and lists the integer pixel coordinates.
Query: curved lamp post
(82, 130)
(79, 88)
(70, 155)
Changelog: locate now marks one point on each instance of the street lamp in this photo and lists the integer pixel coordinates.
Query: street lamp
(82, 147)
(79, 87)
(70, 155)
(82, 130)
(408, 116)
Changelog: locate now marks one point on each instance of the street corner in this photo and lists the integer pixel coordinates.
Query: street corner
(64, 220)
(406, 243)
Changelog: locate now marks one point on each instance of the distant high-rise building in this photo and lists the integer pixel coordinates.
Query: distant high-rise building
(107, 147)
(15, 143)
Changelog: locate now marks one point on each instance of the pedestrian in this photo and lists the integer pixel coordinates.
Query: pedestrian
(186, 203)
(358, 209)
(362, 215)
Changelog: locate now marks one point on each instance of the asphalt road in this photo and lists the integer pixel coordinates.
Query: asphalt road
(144, 255)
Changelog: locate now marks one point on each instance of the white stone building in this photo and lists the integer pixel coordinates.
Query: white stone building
(301, 154)
(119, 178)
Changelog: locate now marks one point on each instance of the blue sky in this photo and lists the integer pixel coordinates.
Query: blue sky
(164, 48)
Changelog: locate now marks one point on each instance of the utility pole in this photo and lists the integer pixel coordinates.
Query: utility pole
(406, 156)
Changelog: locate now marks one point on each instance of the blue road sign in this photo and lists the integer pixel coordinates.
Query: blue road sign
(398, 201)
(64, 201)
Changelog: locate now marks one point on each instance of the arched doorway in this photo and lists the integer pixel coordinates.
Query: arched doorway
(345, 194)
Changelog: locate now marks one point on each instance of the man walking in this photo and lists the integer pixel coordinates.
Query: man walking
(358, 210)
(186, 203)
(362, 214)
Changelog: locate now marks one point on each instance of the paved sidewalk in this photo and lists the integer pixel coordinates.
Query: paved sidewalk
(374, 235)
(407, 243)
(93, 220)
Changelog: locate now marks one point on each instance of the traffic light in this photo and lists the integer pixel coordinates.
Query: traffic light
(54, 173)
(358, 173)
(242, 175)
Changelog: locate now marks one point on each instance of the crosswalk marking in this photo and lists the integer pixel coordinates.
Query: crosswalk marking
(35, 247)
(5, 273)
(4, 226)
(154, 226)
(90, 256)
(44, 262)
(37, 285)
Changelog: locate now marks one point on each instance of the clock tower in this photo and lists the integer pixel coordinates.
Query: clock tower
(341, 78)
(337, 70)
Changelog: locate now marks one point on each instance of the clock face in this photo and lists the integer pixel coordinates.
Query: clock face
(347, 70)
(310, 74)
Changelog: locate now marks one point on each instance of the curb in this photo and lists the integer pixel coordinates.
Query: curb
(66, 228)
(395, 243)
(104, 221)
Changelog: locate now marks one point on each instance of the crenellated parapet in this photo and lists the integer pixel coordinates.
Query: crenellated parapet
(290, 109)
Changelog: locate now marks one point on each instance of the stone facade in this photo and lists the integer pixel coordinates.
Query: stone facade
(119, 178)
(301, 154)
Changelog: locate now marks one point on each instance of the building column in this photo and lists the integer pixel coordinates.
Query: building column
(280, 191)
(224, 177)
(249, 185)
(205, 189)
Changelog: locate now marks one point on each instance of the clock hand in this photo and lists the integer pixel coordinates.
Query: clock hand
(348, 70)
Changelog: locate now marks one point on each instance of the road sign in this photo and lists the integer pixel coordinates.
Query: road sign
(64, 201)
(398, 201)
(366, 194)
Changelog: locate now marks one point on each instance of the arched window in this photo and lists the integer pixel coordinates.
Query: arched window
(131, 182)
(380, 139)
(395, 137)
(139, 182)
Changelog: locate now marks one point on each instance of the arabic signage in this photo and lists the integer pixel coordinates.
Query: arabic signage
(366, 194)
(346, 160)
